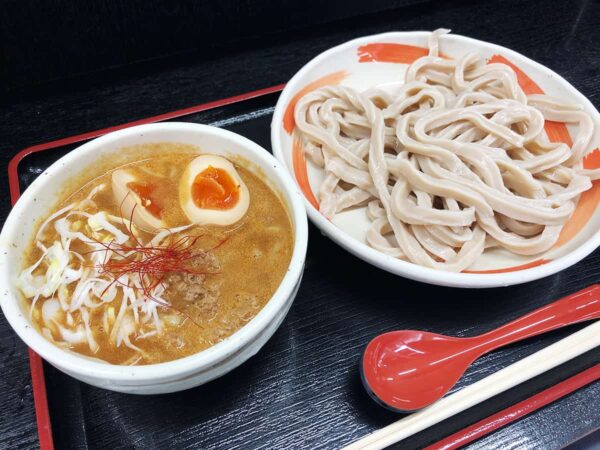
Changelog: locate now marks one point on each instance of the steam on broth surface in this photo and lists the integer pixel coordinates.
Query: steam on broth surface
(120, 274)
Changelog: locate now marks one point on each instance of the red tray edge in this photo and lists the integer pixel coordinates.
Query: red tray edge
(14, 162)
(38, 382)
(458, 439)
(518, 410)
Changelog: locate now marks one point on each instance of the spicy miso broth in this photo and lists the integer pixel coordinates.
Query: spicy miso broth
(156, 258)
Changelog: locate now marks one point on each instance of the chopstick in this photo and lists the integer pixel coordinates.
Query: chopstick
(523, 370)
(518, 410)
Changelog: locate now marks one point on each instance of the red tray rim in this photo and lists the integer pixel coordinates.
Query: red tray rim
(455, 440)
(38, 382)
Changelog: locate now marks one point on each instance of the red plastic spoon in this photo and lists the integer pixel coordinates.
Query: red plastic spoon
(408, 370)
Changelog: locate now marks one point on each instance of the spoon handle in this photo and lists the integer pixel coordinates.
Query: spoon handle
(578, 307)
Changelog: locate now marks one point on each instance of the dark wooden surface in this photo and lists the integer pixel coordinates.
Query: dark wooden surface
(59, 40)
(238, 411)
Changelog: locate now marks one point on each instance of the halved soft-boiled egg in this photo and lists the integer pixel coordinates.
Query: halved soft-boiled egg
(131, 192)
(212, 192)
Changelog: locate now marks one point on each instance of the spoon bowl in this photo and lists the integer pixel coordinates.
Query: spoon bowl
(408, 370)
(411, 369)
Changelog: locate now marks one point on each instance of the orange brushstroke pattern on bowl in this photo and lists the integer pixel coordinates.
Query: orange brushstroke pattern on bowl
(392, 53)
(301, 173)
(330, 79)
(298, 158)
(407, 54)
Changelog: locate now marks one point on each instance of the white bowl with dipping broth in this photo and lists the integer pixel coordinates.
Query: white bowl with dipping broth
(381, 61)
(182, 373)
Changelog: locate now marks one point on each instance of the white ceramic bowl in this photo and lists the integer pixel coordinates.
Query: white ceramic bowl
(186, 372)
(381, 60)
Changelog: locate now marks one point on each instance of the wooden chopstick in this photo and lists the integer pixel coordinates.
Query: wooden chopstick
(523, 370)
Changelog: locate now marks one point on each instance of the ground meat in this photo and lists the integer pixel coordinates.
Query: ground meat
(173, 340)
(185, 286)
(193, 294)
(205, 262)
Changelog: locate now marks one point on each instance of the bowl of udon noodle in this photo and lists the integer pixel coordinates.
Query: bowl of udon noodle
(155, 258)
(443, 159)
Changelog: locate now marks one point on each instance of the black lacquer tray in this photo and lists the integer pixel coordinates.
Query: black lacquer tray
(303, 389)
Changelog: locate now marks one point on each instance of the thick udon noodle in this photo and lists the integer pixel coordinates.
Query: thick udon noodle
(457, 161)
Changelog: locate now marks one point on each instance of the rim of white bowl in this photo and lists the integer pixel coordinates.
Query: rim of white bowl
(154, 373)
(405, 268)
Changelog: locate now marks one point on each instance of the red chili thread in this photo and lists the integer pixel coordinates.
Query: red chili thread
(151, 262)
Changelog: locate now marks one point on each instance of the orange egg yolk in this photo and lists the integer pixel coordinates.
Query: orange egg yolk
(213, 188)
(147, 194)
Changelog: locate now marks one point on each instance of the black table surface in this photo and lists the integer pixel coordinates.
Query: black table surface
(564, 36)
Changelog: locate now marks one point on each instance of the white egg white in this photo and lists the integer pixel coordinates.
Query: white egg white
(205, 216)
(128, 199)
